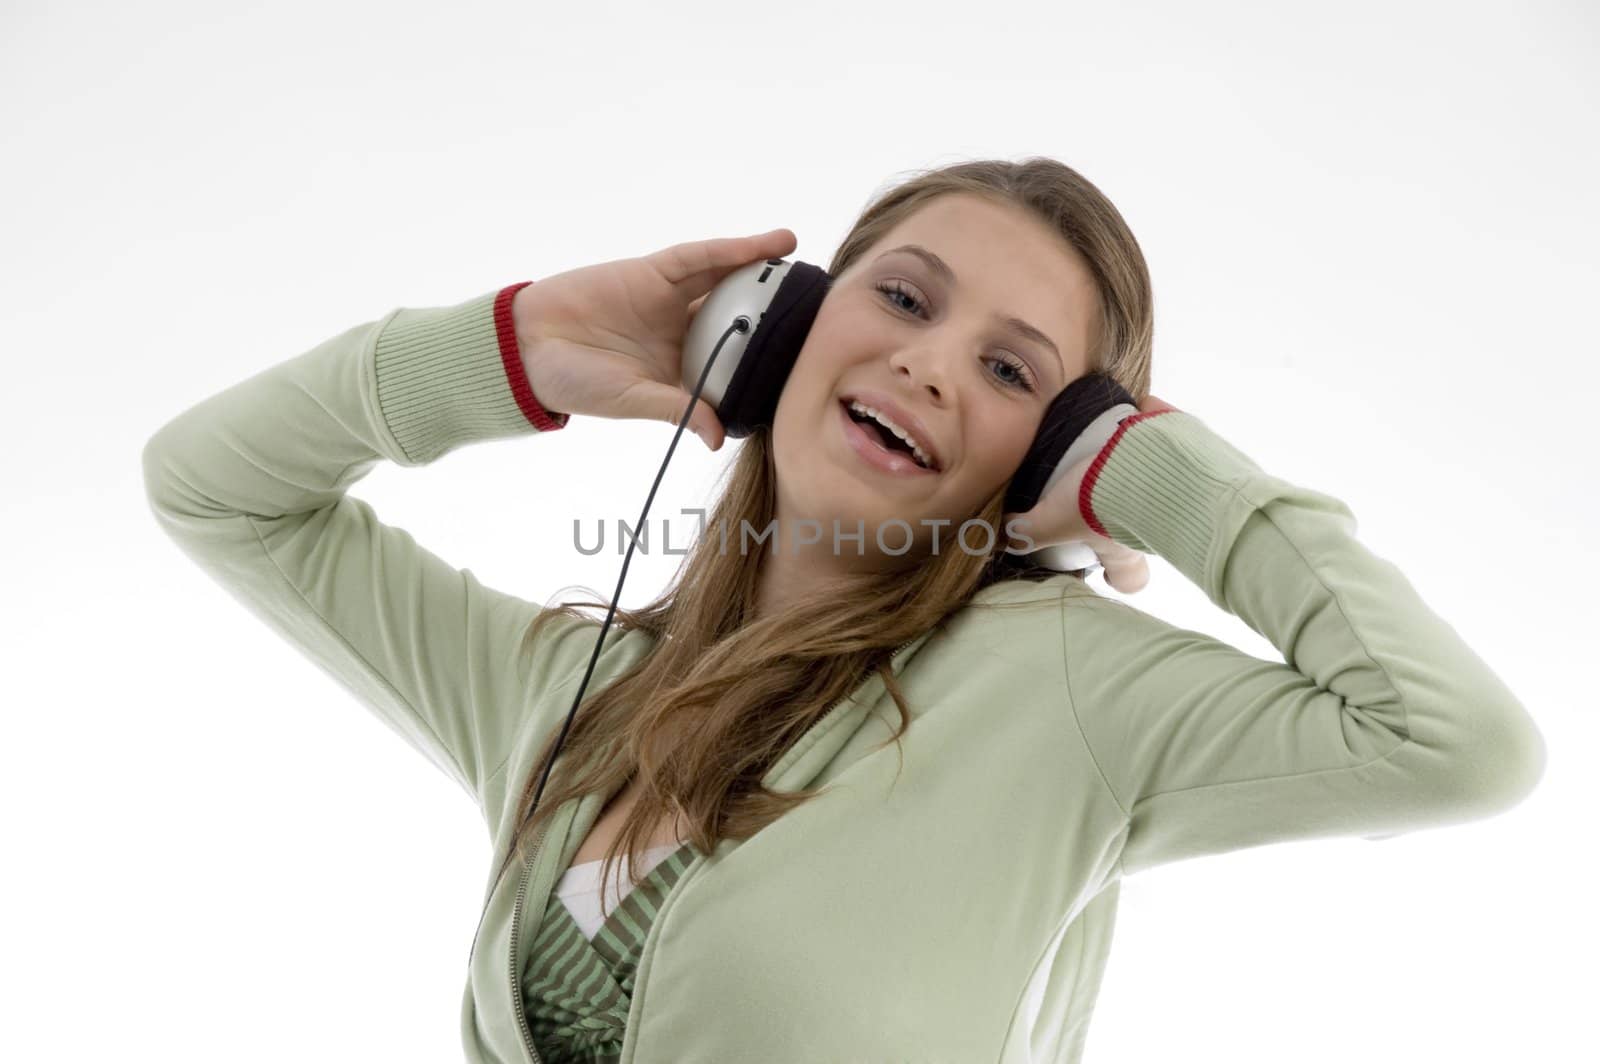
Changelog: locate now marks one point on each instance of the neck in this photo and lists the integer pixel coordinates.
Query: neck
(792, 572)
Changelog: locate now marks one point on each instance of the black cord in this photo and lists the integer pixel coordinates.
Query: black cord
(741, 324)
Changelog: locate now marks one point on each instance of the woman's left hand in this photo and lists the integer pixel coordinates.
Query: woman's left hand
(1057, 518)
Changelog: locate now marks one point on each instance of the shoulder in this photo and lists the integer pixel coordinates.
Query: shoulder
(1061, 615)
(1060, 590)
(1014, 615)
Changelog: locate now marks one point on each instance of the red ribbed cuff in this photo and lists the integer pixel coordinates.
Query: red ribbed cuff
(516, 374)
(1086, 488)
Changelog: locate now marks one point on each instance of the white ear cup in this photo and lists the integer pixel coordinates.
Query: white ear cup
(744, 293)
(1079, 555)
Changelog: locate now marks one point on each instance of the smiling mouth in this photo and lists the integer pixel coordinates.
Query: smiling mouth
(885, 439)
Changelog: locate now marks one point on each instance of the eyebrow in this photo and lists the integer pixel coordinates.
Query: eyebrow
(942, 268)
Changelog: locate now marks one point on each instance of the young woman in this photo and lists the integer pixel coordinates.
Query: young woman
(796, 890)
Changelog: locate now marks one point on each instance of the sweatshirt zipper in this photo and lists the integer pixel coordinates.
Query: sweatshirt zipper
(516, 923)
(522, 890)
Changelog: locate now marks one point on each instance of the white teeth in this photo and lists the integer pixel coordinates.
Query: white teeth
(923, 458)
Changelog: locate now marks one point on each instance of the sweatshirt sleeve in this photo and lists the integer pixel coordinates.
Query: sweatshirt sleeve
(1379, 721)
(251, 484)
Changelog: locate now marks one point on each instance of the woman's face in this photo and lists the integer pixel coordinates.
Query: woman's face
(972, 390)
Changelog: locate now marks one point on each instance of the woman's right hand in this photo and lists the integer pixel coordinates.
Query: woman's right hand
(607, 340)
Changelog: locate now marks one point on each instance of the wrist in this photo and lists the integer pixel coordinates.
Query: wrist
(523, 322)
(527, 316)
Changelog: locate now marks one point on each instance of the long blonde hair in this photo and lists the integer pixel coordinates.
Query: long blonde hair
(720, 696)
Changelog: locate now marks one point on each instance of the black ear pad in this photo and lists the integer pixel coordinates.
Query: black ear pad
(1064, 421)
(751, 399)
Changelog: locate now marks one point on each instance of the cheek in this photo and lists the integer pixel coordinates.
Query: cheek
(810, 384)
(796, 405)
(996, 449)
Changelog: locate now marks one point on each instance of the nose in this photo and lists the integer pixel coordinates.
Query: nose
(923, 367)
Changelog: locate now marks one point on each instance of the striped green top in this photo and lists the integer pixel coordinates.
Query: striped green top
(576, 991)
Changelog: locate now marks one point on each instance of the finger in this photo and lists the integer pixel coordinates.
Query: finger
(1126, 573)
(698, 265)
(709, 428)
(655, 401)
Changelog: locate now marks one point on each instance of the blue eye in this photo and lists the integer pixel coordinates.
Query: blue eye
(894, 288)
(1021, 380)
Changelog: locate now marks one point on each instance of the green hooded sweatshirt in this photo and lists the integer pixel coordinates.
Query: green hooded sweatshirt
(951, 899)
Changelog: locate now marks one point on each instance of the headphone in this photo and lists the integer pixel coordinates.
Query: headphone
(761, 313)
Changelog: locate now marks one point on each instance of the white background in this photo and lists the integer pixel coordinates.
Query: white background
(1372, 233)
